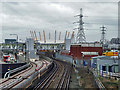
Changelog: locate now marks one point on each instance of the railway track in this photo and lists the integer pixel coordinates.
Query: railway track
(64, 80)
(15, 76)
(58, 77)
(19, 77)
(46, 80)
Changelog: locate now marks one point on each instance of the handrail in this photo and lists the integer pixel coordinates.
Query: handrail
(15, 70)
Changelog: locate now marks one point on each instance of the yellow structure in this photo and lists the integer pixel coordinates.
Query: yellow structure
(111, 53)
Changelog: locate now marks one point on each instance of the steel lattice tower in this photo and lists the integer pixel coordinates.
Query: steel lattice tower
(80, 35)
(103, 39)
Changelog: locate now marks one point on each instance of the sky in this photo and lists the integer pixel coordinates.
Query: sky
(25, 16)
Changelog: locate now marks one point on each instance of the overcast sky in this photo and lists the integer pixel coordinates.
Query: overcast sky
(22, 17)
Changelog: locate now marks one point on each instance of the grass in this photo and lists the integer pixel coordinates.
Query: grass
(87, 79)
(109, 83)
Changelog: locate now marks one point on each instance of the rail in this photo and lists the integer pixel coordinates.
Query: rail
(97, 80)
(65, 78)
(29, 81)
(47, 78)
(47, 58)
(16, 70)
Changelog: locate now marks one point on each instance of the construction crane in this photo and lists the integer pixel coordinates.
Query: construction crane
(55, 36)
(35, 35)
(40, 36)
(65, 36)
(59, 35)
(44, 36)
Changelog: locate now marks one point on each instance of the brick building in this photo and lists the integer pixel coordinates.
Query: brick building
(85, 51)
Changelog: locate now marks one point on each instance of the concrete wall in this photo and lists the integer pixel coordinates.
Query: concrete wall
(67, 44)
(107, 63)
(68, 58)
(119, 65)
(5, 67)
(32, 54)
(104, 62)
(64, 57)
(30, 44)
(21, 58)
(30, 48)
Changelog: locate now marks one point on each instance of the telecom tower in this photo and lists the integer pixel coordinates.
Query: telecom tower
(80, 35)
(103, 40)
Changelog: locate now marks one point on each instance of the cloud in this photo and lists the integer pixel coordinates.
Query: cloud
(21, 17)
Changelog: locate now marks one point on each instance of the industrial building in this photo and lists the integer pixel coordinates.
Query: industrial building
(105, 63)
(83, 51)
(10, 41)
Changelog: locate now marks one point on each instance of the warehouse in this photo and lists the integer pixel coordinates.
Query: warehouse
(105, 63)
(85, 51)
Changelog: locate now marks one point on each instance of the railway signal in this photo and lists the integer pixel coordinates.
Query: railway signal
(9, 68)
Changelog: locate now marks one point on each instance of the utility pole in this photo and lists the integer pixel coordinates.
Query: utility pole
(103, 40)
(80, 35)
